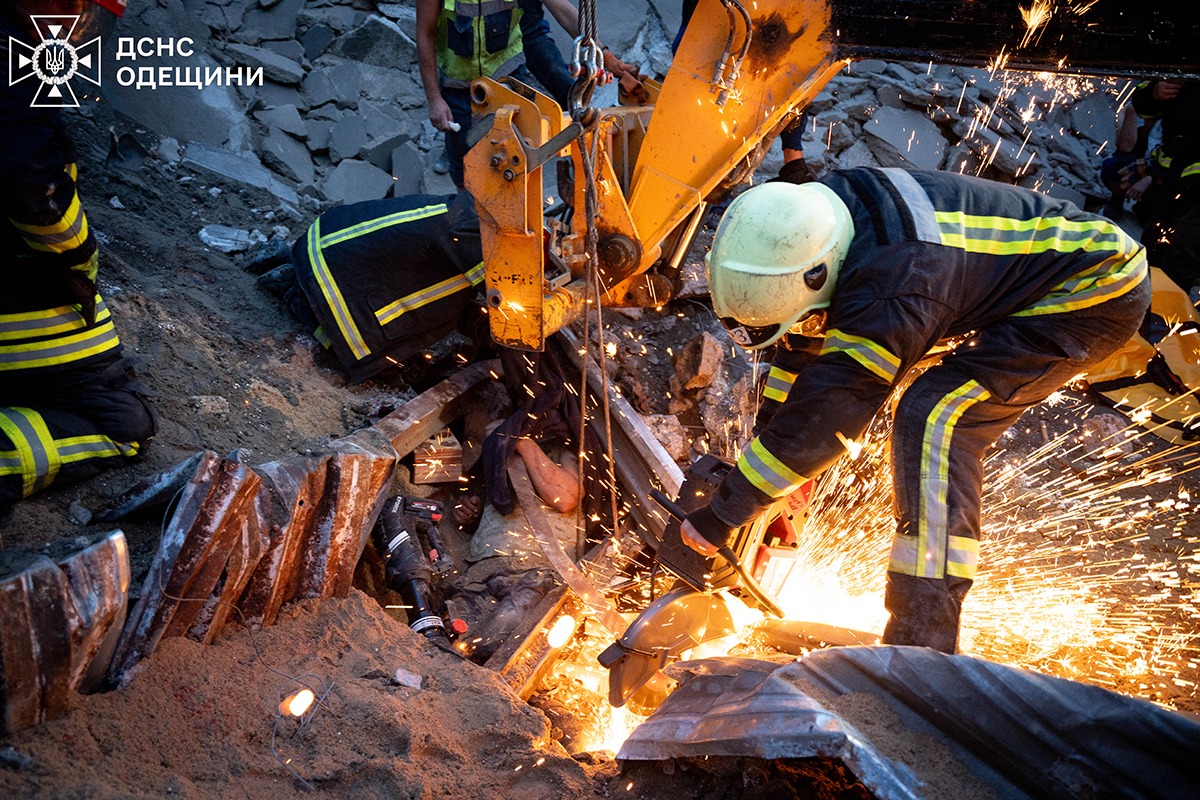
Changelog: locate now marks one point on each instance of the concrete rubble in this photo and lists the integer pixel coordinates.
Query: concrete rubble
(341, 115)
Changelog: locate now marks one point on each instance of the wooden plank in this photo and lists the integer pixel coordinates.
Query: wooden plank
(640, 460)
(429, 412)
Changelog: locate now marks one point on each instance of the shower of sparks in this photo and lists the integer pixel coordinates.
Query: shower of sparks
(1035, 18)
(1076, 575)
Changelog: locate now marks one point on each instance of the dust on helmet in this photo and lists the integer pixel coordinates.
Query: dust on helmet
(775, 259)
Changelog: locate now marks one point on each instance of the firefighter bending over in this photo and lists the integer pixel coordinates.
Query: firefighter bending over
(855, 278)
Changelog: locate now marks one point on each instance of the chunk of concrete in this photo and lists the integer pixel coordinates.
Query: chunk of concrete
(317, 134)
(287, 156)
(242, 167)
(377, 41)
(379, 151)
(317, 88)
(277, 22)
(900, 137)
(285, 118)
(316, 40)
(408, 170)
(339, 18)
(346, 79)
(289, 48)
(1095, 118)
(348, 138)
(354, 181)
(274, 66)
(212, 115)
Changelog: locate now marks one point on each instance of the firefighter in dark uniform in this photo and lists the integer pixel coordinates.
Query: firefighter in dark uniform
(69, 401)
(384, 279)
(855, 278)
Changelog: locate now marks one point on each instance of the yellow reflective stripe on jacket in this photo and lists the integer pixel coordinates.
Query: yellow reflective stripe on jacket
(34, 445)
(67, 233)
(393, 311)
(333, 295)
(81, 448)
(766, 472)
(372, 225)
(1190, 170)
(779, 383)
(874, 357)
(1008, 236)
(962, 556)
(48, 322)
(60, 350)
(1092, 287)
(933, 516)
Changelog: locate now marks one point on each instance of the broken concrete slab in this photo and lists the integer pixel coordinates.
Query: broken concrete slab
(286, 118)
(275, 67)
(347, 82)
(288, 156)
(379, 151)
(317, 88)
(212, 115)
(317, 134)
(348, 138)
(338, 18)
(377, 41)
(408, 169)
(242, 167)
(900, 137)
(316, 41)
(276, 22)
(290, 49)
(353, 181)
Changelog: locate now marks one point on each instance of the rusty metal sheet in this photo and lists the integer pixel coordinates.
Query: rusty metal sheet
(54, 622)
(192, 555)
(354, 493)
(250, 541)
(288, 500)
(97, 584)
(34, 645)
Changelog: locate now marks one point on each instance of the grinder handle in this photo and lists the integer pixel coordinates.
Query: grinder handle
(748, 581)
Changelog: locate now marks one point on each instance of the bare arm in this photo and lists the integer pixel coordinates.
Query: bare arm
(427, 17)
(565, 13)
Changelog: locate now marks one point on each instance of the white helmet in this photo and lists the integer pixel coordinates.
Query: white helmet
(775, 259)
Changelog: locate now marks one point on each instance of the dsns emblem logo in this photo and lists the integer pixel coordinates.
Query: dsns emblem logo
(54, 61)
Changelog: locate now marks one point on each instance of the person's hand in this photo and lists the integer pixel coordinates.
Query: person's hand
(1131, 174)
(1137, 190)
(1165, 91)
(692, 538)
(439, 114)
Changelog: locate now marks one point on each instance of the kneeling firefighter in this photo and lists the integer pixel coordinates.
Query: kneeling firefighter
(854, 279)
(69, 401)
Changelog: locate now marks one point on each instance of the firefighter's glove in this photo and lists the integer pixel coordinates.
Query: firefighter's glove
(704, 532)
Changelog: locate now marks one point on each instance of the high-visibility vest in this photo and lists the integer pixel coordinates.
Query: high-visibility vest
(478, 39)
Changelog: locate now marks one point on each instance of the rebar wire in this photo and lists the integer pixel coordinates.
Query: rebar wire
(588, 156)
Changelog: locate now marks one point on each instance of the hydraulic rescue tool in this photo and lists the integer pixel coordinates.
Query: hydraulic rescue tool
(698, 608)
(409, 571)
